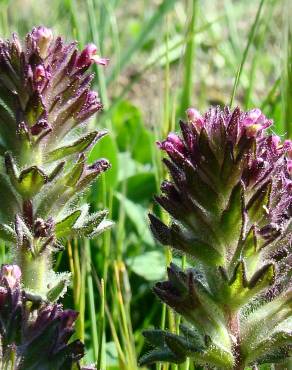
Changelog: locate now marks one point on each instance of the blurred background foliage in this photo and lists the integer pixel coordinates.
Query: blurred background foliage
(165, 55)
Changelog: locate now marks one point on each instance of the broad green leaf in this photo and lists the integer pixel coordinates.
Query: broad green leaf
(140, 187)
(131, 133)
(138, 216)
(150, 265)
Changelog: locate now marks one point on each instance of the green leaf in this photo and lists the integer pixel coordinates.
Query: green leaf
(140, 187)
(138, 216)
(132, 136)
(257, 206)
(239, 290)
(274, 347)
(64, 227)
(180, 345)
(247, 250)
(142, 151)
(202, 191)
(22, 231)
(58, 286)
(102, 227)
(238, 280)
(30, 181)
(128, 167)
(10, 202)
(7, 234)
(11, 168)
(160, 355)
(56, 171)
(88, 223)
(249, 244)
(194, 336)
(276, 355)
(232, 217)
(217, 356)
(264, 277)
(77, 147)
(34, 108)
(188, 243)
(74, 174)
(150, 265)
(209, 162)
(156, 337)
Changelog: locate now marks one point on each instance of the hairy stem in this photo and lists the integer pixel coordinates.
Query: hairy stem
(234, 330)
(33, 270)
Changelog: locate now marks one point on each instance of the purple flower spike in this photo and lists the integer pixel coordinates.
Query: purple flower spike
(45, 83)
(45, 103)
(229, 199)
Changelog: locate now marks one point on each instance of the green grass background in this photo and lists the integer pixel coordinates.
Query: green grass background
(165, 55)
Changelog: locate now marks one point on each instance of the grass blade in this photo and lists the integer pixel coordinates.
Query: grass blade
(287, 73)
(246, 50)
(189, 59)
(92, 308)
(148, 27)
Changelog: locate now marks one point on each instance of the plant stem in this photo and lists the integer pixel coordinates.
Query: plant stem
(234, 329)
(33, 270)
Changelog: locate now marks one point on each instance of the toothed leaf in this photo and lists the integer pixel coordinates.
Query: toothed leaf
(7, 233)
(64, 227)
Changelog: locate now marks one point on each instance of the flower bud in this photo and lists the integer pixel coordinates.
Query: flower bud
(252, 116)
(12, 275)
(16, 43)
(195, 117)
(41, 126)
(43, 37)
(276, 141)
(288, 148)
(100, 166)
(172, 144)
(255, 122)
(289, 166)
(89, 56)
(43, 228)
(253, 130)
